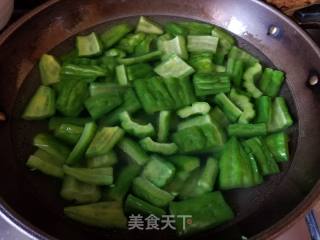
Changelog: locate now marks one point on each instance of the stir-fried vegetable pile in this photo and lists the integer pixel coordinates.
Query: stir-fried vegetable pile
(178, 110)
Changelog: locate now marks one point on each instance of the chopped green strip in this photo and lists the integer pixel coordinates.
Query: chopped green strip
(41, 105)
(194, 109)
(134, 151)
(148, 26)
(202, 44)
(163, 148)
(174, 67)
(134, 128)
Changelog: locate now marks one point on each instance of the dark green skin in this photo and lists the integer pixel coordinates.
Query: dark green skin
(111, 36)
(263, 108)
(69, 133)
(130, 104)
(235, 167)
(211, 210)
(277, 143)
(265, 160)
(71, 95)
(102, 104)
(123, 182)
(134, 205)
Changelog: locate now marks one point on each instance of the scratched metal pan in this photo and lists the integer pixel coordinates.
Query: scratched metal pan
(31, 201)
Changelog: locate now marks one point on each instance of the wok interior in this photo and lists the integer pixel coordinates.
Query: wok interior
(42, 192)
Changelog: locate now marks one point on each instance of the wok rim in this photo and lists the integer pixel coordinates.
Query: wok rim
(273, 231)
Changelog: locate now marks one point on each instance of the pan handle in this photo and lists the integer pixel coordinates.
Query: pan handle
(308, 17)
(312, 224)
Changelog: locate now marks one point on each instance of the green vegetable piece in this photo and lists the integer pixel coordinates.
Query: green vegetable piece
(199, 134)
(151, 56)
(250, 76)
(219, 57)
(73, 190)
(177, 46)
(106, 160)
(98, 88)
(226, 40)
(56, 122)
(219, 117)
(46, 163)
(69, 56)
(153, 95)
(228, 107)
(101, 104)
(196, 108)
(52, 146)
(190, 140)
(163, 148)
(103, 215)
(196, 28)
(48, 157)
(96, 176)
(177, 183)
(104, 141)
(138, 71)
(115, 52)
(114, 34)
(202, 44)
(263, 107)
(151, 193)
(247, 130)
(174, 67)
(190, 187)
(175, 29)
(44, 166)
(121, 75)
(277, 143)
(135, 205)
(238, 53)
(211, 211)
(266, 163)
(201, 180)
(243, 102)
(195, 121)
(280, 116)
(131, 104)
(256, 172)
(123, 182)
(220, 69)
(71, 97)
(134, 151)
(41, 105)
(271, 82)
(145, 45)
(235, 68)
(209, 84)
(158, 171)
(235, 167)
(83, 72)
(49, 69)
(134, 128)
(147, 26)
(68, 133)
(181, 90)
(131, 41)
(83, 143)
(209, 175)
(185, 163)
(163, 126)
(202, 62)
(88, 45)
